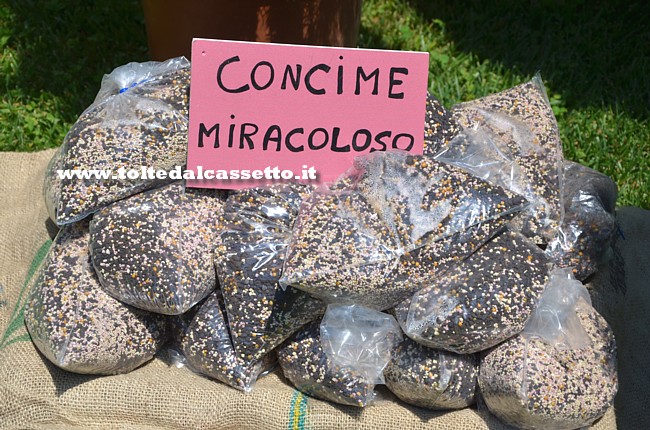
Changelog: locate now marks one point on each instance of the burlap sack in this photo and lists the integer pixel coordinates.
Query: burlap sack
(36, 394)
(620, 291)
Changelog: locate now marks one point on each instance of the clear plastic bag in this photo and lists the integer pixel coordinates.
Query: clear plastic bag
(79, 327)
(389, 227)
(511, 139)
(203, 337)
(560, 372)
(154, 250)
(439, 127)
(480, 302)
(555, 319)
(359, 338)
(138, 119)
(306, 366)
(341, 358)
(249, 256)
(432, 378)
(589, 223)
(52, 182)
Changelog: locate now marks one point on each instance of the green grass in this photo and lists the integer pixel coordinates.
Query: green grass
(594, 57)
(53, 54)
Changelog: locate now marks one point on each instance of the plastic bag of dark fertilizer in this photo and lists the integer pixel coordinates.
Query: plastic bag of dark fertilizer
(52, 182)
(79, 327)
(589, 221)
(249, 256)
(511, 139)
(154, 250)
(560, 372)
(432, 378)
(389, 227)
(138, 120)
(439, 127)
(203, 338)
(342, 358)
(480, 302)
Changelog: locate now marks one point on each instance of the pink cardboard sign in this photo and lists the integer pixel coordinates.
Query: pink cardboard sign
(261, 113)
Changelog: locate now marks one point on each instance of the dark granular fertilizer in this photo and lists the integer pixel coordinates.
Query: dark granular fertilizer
(398, 222)
(528, 383)
(204, 339)
(439, 126)
(145, 125)
(250, 253)
(521, 122)
(52, 182)
(589, 221)
(305, 364)
(154, 250)
(79, 327)
(480, 302)
(431, 378)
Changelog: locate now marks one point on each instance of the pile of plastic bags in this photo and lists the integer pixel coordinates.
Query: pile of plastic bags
(450, 277)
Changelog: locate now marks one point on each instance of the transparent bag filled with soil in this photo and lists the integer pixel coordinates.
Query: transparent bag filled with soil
(138, 120)
(389, 226)
(432, 378)
(481, 301)
(511, 139)
(560, 372)
(439, 127)
(589, 220)
(342, 357)
(52, 182)
(79, 327)
(203, 337)
(154, 250)
(249, 256)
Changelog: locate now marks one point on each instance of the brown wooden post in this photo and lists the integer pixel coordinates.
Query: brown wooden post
(171, 24)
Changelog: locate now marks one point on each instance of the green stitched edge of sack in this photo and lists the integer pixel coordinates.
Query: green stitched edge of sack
(13, 333)
(297, 411)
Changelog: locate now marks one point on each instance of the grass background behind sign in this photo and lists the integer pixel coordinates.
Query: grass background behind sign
(593, 56)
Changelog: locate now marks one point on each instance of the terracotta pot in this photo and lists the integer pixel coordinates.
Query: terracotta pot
(171, 24)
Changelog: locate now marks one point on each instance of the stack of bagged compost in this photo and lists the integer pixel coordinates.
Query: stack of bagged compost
(448, 277)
